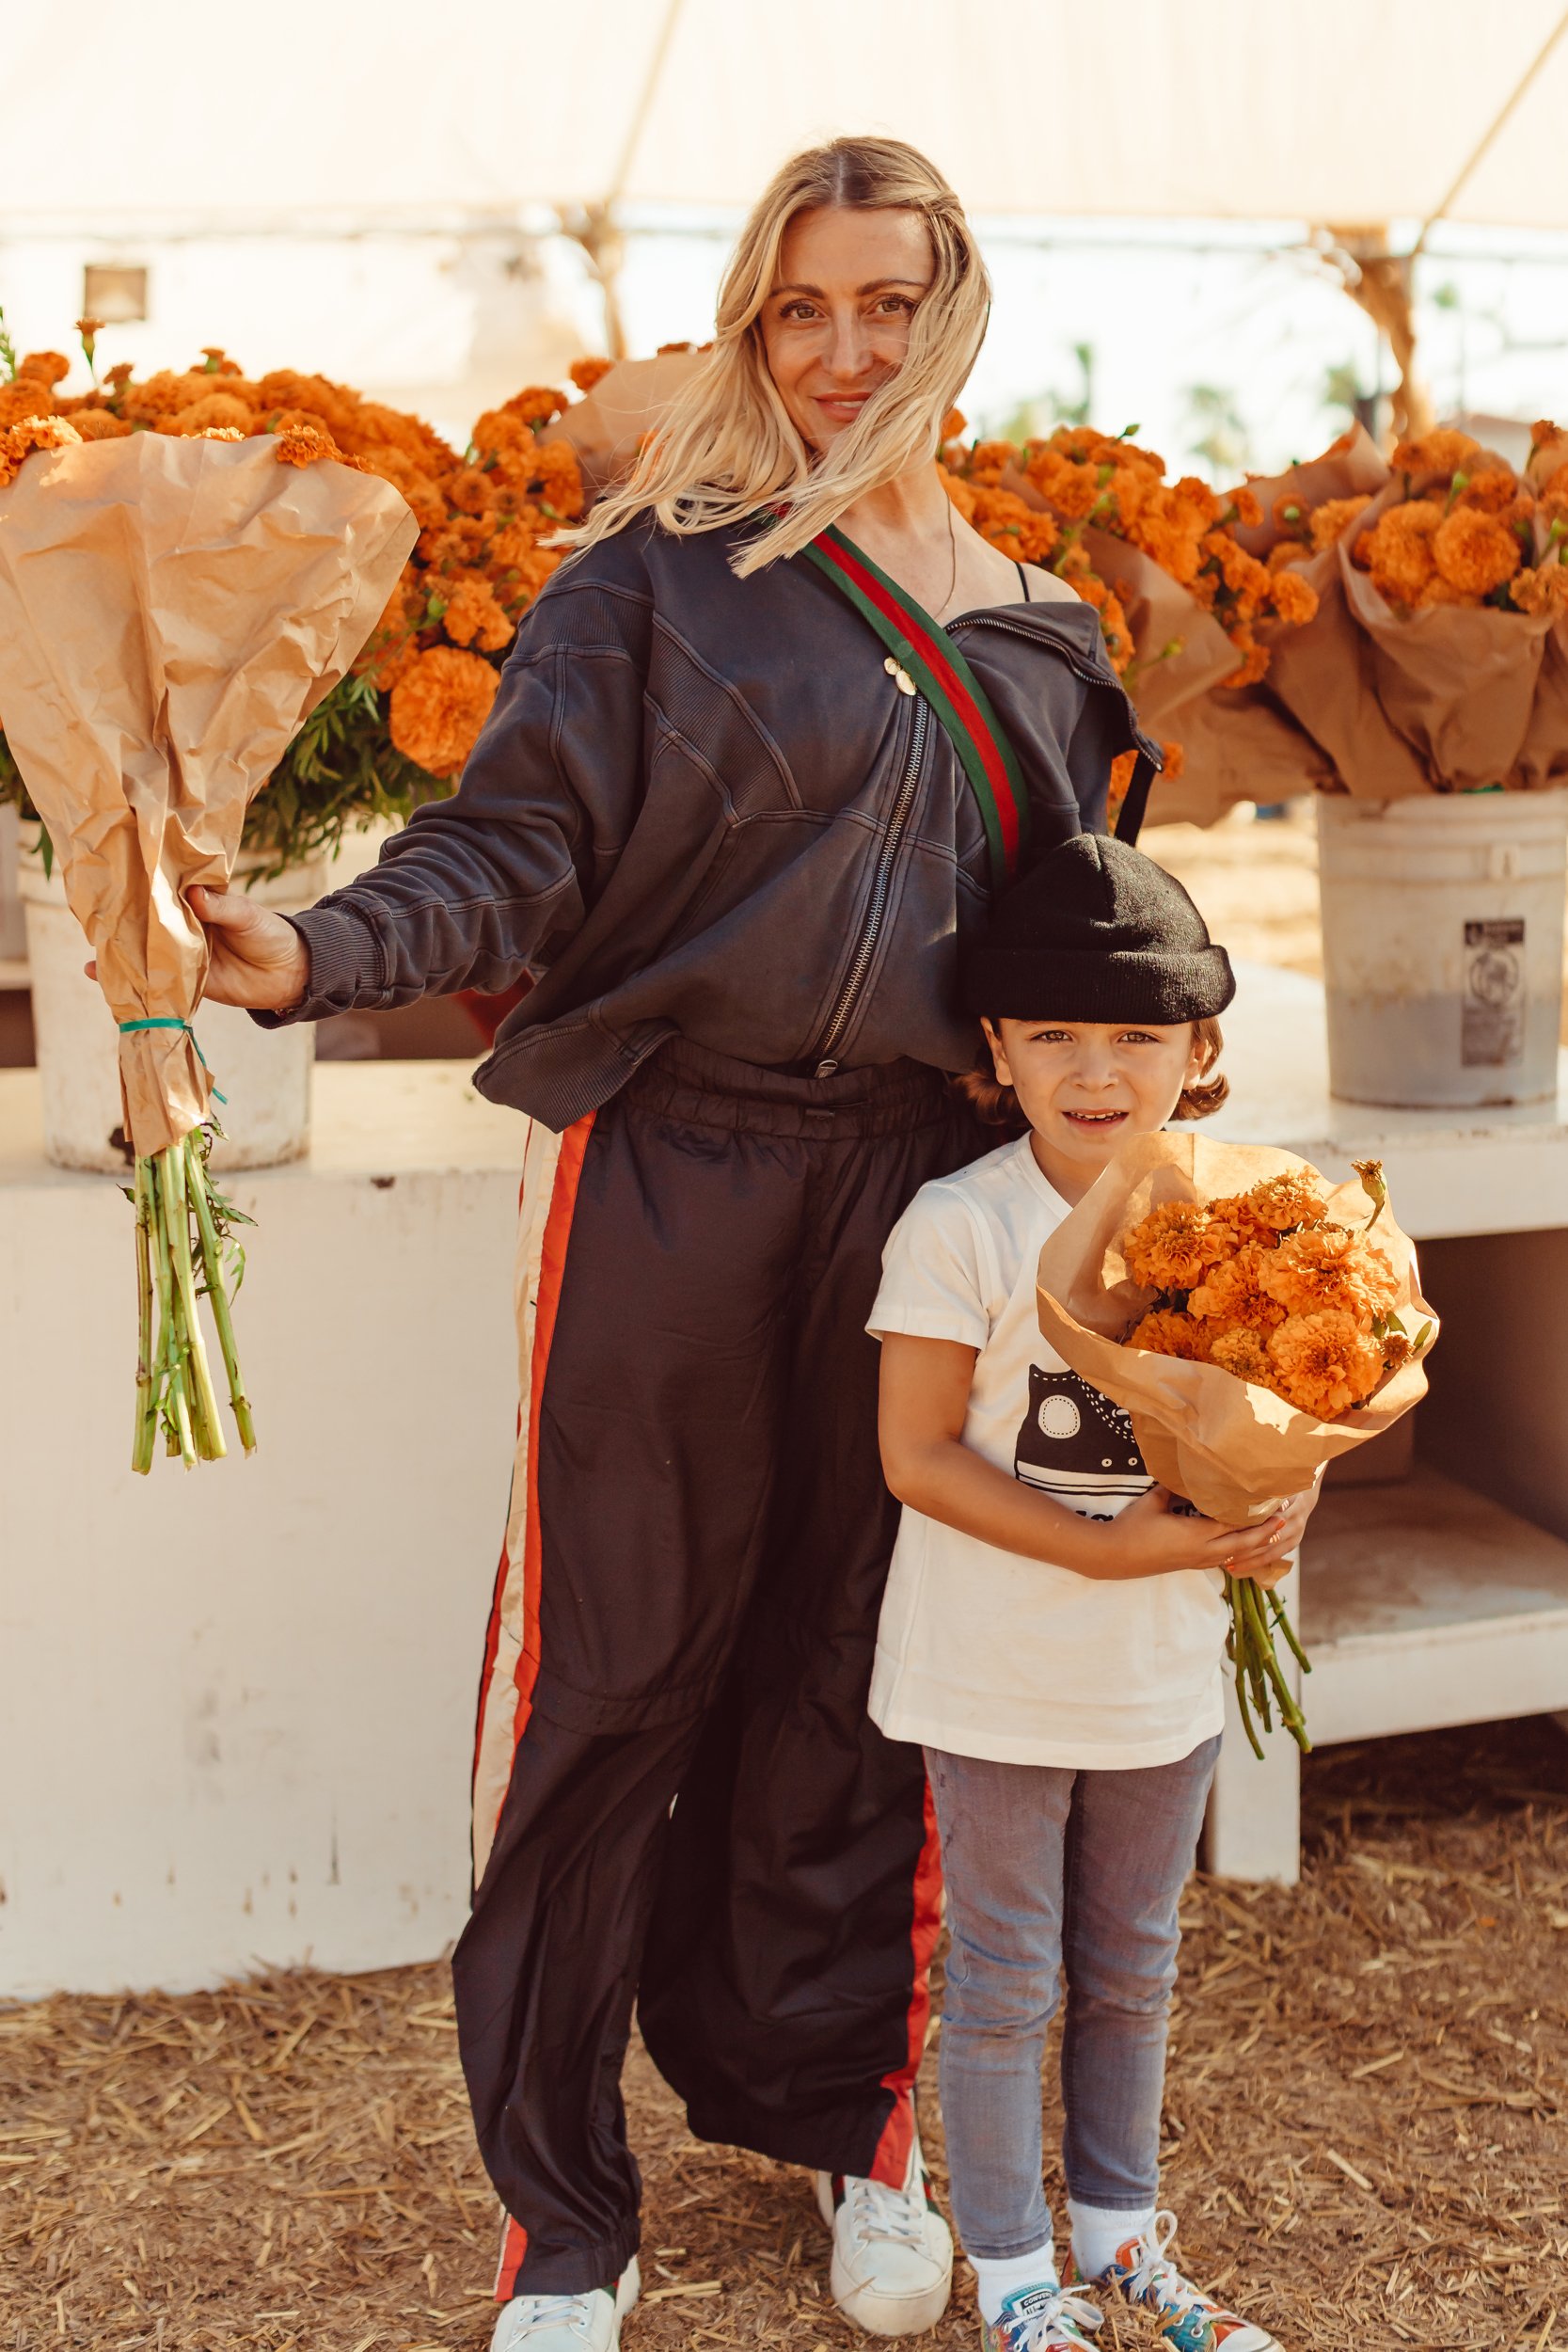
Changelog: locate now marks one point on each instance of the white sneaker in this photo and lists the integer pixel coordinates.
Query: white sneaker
(568, 2323)
(892, 2252)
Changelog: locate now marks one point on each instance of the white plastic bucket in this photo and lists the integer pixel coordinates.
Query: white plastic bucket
(1443, 928)
(264, 1073)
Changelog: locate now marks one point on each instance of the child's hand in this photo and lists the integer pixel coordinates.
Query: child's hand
(1151, 1539)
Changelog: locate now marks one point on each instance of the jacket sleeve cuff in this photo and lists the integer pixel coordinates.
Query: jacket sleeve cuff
(346, 968)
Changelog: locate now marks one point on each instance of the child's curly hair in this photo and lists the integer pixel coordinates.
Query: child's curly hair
(996, 1105)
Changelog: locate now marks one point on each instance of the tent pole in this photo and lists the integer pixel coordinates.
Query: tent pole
(594, 226)
(1485, 141)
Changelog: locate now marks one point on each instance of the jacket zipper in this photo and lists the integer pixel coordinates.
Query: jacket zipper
(875, 912)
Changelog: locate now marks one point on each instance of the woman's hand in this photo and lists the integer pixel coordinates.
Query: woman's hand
(258, 959)
(1150, 1539)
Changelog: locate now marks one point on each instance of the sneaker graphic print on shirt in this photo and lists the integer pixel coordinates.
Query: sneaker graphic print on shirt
(1078, 1447)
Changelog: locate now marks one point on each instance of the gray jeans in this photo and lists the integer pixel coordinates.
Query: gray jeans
(1052, 1874)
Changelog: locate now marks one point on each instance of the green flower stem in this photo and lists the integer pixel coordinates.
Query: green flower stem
(212, 1268)
(147, 1337)
(1234, 1645)
(196, 1381)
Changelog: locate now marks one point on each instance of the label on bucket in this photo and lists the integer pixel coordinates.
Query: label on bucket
(1494, 1022)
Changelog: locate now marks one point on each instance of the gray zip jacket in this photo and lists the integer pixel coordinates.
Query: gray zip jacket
(701, 805)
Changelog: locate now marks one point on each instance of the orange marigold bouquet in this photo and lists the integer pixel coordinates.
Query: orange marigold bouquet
(1254, 1321)
(1187, 610)
(1435, 661)
(171, 608)
(397, 730)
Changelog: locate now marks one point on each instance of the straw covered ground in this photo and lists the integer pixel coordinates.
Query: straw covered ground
(1365, 2121)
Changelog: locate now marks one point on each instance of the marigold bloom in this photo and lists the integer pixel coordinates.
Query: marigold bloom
(19, 442)
(538, 404)
(954, 425)
(1491, 492)
(585, 373)
(1279, 1203)
(1475, 551)
(472, 617)
(1164, 1332)
(1249, 510)
(24, 400)
(1173, 1247)
(473, 491)
(1542, 590)
(215, 408)
(1446, 452)
(962, 493)
(1398, 550)
(96, 424)
(438, 707)
(1333, 517)
(1232, 1292)
(1324, 1363)
(305, 445)
(1245, 1355)
(42, 367)
(1294, 600)
(1328, 1266)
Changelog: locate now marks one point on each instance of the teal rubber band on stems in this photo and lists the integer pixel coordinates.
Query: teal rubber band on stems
(171, 1021)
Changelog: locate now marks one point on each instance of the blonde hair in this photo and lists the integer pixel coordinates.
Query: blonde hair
(728, 448)
(996, 1105)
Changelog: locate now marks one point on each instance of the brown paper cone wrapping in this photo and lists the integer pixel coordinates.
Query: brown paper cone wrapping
(605, 427)
(1235, 1451)
(1236, 745)
(1338, 473)
(172, 610)
(1544, 754)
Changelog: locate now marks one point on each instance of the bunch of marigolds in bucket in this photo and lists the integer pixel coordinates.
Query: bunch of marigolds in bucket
(1265, 1285)
(1457, 526)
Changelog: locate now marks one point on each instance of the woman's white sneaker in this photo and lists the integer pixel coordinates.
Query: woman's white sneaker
(568, 2323)
(892, 2252)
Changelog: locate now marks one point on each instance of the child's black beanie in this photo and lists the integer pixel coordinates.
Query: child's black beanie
(1096, 931)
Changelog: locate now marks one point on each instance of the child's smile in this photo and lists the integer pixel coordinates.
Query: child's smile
(1085, 1085)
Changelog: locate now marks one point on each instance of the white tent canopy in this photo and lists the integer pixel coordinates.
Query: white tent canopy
(344, 114)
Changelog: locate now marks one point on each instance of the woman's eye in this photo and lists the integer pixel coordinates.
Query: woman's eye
(798, 310)
(896, 303)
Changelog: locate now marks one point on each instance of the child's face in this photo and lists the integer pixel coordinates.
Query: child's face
(1086, 1086)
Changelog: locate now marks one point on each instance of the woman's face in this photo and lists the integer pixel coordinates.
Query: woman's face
(836, 323)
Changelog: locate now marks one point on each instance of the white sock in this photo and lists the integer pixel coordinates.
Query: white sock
(997, 2280)
(1099, 2235)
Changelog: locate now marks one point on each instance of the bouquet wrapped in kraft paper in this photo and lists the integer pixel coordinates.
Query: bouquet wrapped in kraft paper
(1254, 1320)
(1440, 589)
(172, 610)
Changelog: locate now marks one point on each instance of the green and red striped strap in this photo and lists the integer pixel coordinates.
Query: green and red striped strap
(922, 648)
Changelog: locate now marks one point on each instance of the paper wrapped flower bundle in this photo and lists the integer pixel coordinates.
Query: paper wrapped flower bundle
(1255, 1321)
(172, 610)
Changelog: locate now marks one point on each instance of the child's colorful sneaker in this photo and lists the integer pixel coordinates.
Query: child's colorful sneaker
(1042, 2319)
(1190, 2321)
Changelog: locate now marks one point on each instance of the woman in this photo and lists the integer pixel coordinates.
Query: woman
(736, 849)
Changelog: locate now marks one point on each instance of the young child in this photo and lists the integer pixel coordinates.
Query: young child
(1052, 1629)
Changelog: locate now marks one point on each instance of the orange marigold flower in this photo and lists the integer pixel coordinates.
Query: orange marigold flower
(24, 400)
(473, 491)
(1542, 590)
(215, 408)
(222, 433)
(1327, 521)
(42, 367)
(555, 470)
(1232, 1292)
(405, 474)
(962, 493)
(304, 445)
(1446, 452)
(1172, 1247)
(1164, 1332)
(1475, 551)
(1324, 1363)
(525, 579)
(1294, 600)
(537, 403)
(1492, 492)
(1328, 1266)
(1254, 661)
(1175, 759)
(1244, 1354)
(585, 373)
(1248, 506)
(473, 616)
(1073, 489)
(18, 442)
(1398, 548)
(1279, 1204)
(332, 405)
(438, 707)
(954, 425)
(96, 424)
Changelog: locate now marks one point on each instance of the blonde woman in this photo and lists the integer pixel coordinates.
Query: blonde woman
(735, 842)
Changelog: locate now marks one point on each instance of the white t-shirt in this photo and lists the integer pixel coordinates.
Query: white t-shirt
(983, 1652)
